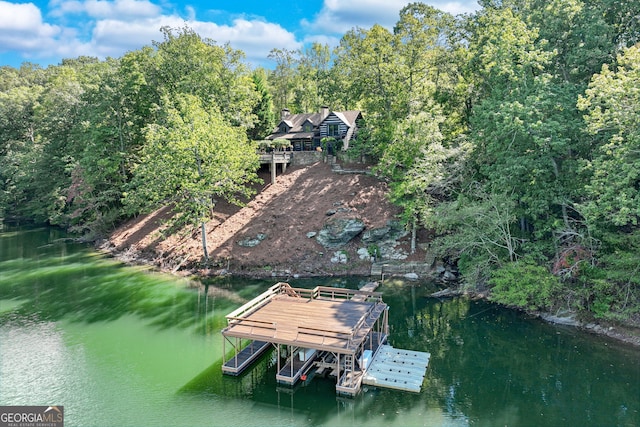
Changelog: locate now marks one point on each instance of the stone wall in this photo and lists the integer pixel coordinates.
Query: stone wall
(302, 158)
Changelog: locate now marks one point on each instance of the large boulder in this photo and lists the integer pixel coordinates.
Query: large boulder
(337, 232)
(392, 231)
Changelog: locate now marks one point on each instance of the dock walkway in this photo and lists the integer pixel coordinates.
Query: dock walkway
(245, 357)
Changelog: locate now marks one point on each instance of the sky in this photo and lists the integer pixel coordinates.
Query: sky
(45, 32)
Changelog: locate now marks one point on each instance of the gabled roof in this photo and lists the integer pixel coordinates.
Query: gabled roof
(349, 117)
(295, 123)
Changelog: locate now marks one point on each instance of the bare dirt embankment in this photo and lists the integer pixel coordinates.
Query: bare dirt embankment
(284, 212)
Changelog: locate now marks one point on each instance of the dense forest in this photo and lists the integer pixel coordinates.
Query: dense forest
(513, 134)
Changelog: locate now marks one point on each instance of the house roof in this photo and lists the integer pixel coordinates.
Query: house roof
(348, 117)
(296, 122)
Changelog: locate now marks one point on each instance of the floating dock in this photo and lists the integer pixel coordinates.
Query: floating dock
(340, 330)
(398, 369)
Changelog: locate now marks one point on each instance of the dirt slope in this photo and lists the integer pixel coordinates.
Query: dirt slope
(285, 212)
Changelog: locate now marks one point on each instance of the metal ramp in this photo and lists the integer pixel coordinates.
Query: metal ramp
(397, 369)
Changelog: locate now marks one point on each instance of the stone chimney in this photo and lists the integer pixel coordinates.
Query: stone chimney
(284, 115)
(324, 111)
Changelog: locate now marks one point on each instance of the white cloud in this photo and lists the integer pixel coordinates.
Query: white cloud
(103, 9)
(338, 16)
(456, 7)
(255, 37)
(120, 26)
(22, 28)
(112, 27)
(113, 37)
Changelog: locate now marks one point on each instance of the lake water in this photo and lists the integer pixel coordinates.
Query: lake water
(123, 346)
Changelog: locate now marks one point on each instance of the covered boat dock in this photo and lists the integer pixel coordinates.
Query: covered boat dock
(334, 329)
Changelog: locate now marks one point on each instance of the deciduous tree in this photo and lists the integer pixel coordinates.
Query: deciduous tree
(191, 159)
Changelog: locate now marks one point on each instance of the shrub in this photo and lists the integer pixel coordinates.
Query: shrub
(374, 250)
(525, 285)
(281, 143)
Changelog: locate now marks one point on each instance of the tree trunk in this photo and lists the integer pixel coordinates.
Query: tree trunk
(413, 236)
(204, 241)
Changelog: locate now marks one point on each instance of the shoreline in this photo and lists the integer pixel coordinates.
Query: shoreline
(620, 332)
(623, 333)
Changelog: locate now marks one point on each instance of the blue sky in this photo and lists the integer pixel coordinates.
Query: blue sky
(45, 32)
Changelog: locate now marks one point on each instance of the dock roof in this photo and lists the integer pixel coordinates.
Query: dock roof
(327, 319)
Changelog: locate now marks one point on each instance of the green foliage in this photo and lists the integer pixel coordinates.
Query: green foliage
(511, 133)
(374, 250)
(612, 289)
(524, 285)
(477, 228)
(281, 143)
(190, 159)
(264, 145)
(327, 141)
(613, 117)
(263, 110)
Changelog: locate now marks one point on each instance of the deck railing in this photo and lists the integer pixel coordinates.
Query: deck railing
(275, 156)
(240, 315)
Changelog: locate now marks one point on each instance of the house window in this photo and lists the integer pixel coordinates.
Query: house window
(332, 130)
(283, 128)
(308, 127)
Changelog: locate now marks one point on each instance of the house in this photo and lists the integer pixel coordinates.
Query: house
(305, 131)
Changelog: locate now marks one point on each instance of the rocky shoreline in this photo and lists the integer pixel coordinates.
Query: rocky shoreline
(312, 222)
(629, 334)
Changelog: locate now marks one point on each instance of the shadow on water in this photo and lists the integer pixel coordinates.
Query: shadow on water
(51, 279)
(315, 400)
(489, 366)
(490, 363)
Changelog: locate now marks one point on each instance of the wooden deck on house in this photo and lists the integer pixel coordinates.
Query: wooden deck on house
(276, 158)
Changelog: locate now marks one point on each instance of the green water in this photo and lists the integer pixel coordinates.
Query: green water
(122, 346)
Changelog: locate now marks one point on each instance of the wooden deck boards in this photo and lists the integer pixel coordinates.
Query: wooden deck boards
(312, 323)
(336, 321)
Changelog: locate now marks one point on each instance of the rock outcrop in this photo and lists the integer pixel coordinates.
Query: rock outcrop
(337, 232)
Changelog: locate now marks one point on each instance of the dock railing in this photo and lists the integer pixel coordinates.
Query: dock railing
(240, 315)
(255, 303)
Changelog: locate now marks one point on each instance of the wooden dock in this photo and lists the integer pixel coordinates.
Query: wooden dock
(335, 329)
(297, 366)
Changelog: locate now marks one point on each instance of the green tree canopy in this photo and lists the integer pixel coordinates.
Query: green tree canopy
(612, 106)
(192, 158)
